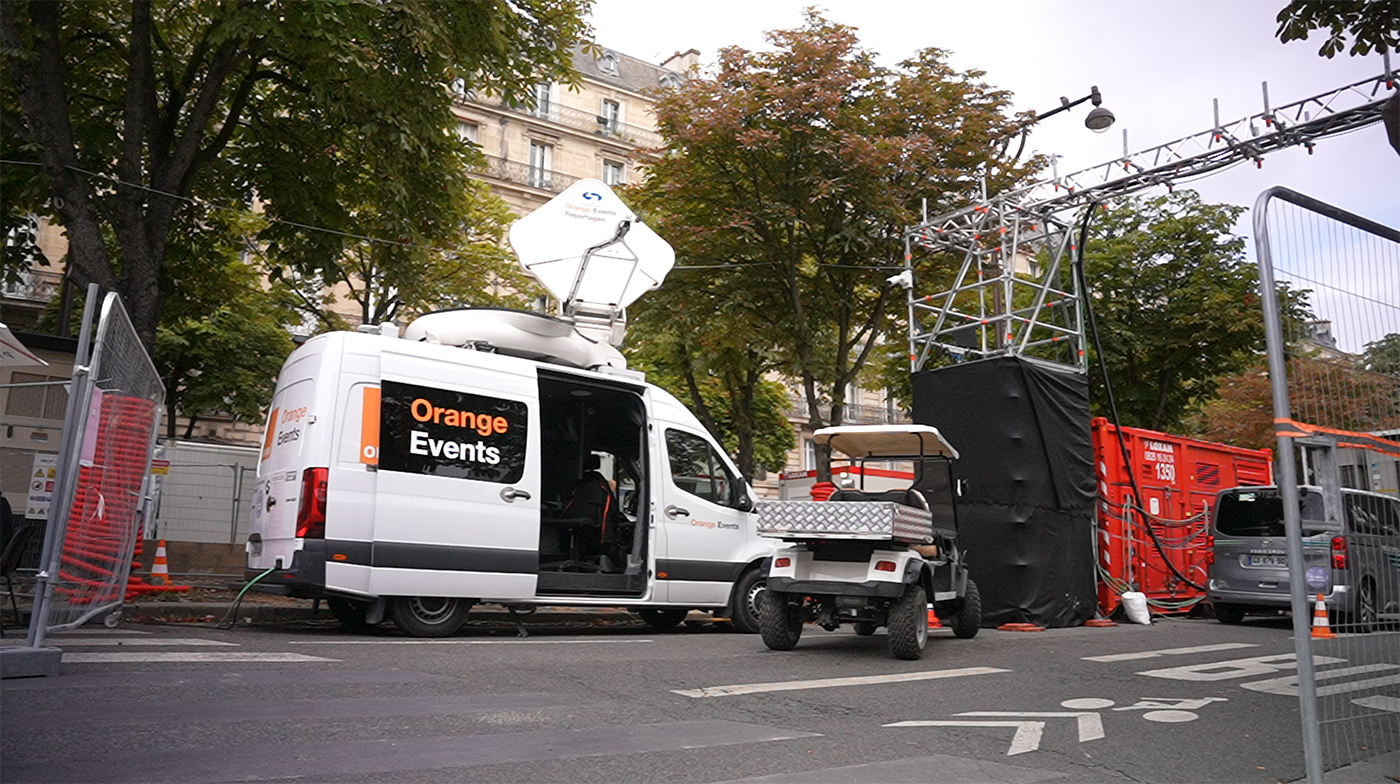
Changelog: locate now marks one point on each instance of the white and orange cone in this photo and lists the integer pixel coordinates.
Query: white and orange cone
(160, 570)
(1321, 629)
(933, 622)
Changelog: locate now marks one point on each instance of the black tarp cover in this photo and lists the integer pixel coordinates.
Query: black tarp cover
(1026, 516)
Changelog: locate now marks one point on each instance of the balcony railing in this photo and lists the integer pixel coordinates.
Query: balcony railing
(35, 286)
(578, 119)
(525, 174)
(852, 413)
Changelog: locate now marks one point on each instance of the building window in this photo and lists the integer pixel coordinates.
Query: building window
(612, 173)
(544, 105)
(610, 121)
(607, 63)
(468, 132)
(541, 165)
(809, 455)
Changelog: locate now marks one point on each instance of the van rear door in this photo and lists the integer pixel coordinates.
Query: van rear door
(457, 508)
(272, 521)
(1251, 543)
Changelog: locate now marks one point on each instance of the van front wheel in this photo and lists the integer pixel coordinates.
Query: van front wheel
(429, 616)
(748, 595)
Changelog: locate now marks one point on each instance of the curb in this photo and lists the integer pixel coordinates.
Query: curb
(265, 613)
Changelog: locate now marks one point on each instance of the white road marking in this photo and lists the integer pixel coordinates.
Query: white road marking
(465, 642)
(1379, 702)
(827, 683)
(142, 641)
(1090, 725)
(1235, 668)
(1288, 686)
(1027, 736)
(113, 632)
(167, 657)
(1224, 646)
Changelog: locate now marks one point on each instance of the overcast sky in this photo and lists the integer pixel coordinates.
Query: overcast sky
(1158, 65)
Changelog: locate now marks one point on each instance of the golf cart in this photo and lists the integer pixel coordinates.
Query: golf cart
(871, 559)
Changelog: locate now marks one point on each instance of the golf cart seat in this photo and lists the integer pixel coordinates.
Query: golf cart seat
(909, 497)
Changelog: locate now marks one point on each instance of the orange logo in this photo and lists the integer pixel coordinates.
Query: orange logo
(271, 432)
(369, 427)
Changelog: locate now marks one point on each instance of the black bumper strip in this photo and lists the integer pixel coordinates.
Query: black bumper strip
(698, 571)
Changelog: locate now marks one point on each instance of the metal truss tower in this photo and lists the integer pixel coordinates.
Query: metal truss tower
(1015, 293)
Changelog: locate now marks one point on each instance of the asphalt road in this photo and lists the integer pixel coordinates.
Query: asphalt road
(1181, 700)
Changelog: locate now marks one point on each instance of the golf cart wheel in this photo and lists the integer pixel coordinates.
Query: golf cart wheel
(663, 619)
(779, 621)
(908, 627)
(429, 616)
(968, 618)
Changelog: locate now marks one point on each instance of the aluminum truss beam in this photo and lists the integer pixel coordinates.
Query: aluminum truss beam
(1014, 292)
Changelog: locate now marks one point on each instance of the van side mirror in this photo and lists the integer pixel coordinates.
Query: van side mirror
(746, 503)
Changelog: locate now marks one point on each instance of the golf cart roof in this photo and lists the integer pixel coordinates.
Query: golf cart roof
(885, 441)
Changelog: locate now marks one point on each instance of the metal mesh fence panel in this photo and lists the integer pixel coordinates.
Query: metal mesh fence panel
(121, 397)
(1330, 282)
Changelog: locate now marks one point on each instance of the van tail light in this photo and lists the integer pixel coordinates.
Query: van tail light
(1210, 549)
(1339, 552)
(311, 511)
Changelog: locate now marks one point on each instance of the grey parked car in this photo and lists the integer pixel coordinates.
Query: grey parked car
(1356, 568)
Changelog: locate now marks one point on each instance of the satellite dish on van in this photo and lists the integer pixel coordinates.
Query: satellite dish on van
(593, 255)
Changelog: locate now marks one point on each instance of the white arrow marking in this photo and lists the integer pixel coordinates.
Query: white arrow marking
(1027, 736)
(1288, 686)
(1090, 725)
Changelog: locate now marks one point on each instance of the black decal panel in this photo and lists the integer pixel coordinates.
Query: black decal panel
(446, 433)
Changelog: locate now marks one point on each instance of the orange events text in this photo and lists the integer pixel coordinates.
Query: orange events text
(485, 424)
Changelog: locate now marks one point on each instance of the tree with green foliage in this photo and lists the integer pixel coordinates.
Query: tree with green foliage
(1176, 305)
(793, 173)
(321, 113)
(1383, 355)
(694, 338)
(223, 335)
(396, 281)
(1373, 24)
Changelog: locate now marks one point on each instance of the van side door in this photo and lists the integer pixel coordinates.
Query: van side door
(457, 508)
(706, 527)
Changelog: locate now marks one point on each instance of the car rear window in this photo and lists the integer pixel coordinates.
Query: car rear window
(1260, 513)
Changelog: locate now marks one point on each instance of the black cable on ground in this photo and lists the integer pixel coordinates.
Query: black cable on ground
(1078, 266)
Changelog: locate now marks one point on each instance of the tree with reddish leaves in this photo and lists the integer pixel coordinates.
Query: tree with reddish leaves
(792, 174)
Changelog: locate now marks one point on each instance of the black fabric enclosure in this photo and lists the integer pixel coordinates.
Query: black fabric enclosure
(1026, 515)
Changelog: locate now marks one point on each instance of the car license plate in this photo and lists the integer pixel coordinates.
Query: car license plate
(257, 548)
(1267, 560)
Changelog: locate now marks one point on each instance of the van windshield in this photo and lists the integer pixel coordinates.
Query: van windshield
(1260, 513)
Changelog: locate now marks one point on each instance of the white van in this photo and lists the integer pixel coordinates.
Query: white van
(420, 475)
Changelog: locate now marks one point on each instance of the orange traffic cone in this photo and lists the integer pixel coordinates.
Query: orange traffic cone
(933, 622)
(1321, 630)
(160, 571)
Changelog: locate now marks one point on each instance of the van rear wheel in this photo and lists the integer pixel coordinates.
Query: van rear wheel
(663, 618)
(1231, 614)
(350, 612)
(429, 616)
